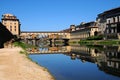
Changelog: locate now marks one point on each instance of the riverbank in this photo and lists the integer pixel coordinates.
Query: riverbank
(99, 42)
(16, 66)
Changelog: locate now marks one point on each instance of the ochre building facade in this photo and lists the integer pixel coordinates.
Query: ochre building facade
(12, 23)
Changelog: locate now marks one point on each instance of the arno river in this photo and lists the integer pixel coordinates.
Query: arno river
(80, 62)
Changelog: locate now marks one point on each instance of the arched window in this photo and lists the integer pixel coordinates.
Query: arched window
(95, 33)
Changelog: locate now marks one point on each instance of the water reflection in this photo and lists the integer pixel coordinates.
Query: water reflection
(107, 58)
(50, 50)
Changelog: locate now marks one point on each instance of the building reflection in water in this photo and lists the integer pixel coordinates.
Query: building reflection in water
(111, 63)
(107, 58)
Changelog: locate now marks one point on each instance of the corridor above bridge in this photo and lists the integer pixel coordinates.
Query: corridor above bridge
(44, 34)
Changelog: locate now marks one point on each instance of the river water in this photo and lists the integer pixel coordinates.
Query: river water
(80, 62)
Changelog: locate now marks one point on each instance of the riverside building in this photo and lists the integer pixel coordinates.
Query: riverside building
(83, 31)
(12, 24)
(109, 23)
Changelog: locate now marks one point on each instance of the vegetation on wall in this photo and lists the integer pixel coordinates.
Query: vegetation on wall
(99, 37)
(23, 45)
(99, 42)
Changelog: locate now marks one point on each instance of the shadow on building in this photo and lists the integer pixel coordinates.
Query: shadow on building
(5, 35)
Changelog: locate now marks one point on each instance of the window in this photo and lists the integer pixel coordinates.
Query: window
(114, 20)
(15, 29)
(10, 28)
(108, 21)
(118, 19)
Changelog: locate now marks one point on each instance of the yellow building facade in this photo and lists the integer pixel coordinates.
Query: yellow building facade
(12, 23)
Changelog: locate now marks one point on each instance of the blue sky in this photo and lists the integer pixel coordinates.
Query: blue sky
(55, 15)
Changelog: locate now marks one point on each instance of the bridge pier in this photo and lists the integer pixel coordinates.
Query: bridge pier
(52, 42)
(66, 41)
(34, 42)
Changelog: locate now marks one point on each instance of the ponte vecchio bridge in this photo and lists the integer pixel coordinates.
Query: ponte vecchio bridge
(35, 37)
